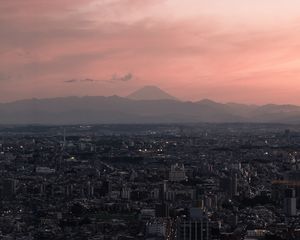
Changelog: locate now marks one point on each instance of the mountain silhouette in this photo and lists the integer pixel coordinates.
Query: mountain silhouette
(157, 107)
(150, 93)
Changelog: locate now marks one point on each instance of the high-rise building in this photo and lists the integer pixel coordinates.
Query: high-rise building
(9, 188)
(230, 185)
(125, 192)
(89, 190)
(163, 190)
(195, 227)
(290, 207)
(156, 228)
(177, 173)
(162, 210)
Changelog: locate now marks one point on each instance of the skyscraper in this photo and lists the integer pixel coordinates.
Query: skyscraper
(290, 208)
(177, 173)
(195, 227)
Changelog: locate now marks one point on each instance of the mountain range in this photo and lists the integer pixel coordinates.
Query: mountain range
(147, 105)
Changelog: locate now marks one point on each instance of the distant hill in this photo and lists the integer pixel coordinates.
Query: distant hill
(150, 93)
(115, 109)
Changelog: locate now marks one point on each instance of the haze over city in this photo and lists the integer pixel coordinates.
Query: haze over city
(228, 51)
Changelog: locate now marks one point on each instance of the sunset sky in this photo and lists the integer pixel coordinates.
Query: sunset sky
(245, 51)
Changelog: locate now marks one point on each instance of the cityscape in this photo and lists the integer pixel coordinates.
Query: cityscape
(149, 120)
(172, 181)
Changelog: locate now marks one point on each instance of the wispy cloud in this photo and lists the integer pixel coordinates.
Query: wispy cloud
(85, 80)
(71, 81)
(115, 78)
(89, 80)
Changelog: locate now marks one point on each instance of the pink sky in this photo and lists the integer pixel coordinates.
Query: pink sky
(226, 50)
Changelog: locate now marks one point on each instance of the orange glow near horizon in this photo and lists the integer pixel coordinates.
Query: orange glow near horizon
(228, 51)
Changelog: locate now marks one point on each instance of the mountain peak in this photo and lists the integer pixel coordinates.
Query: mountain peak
(150, 93)
(207, 101)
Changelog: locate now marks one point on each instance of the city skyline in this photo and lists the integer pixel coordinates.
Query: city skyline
(229, 51)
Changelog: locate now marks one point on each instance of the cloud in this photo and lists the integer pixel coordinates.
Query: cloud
(85, 80)
(88, 80)
(71, 81)
(125, 78)
(115, 78)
